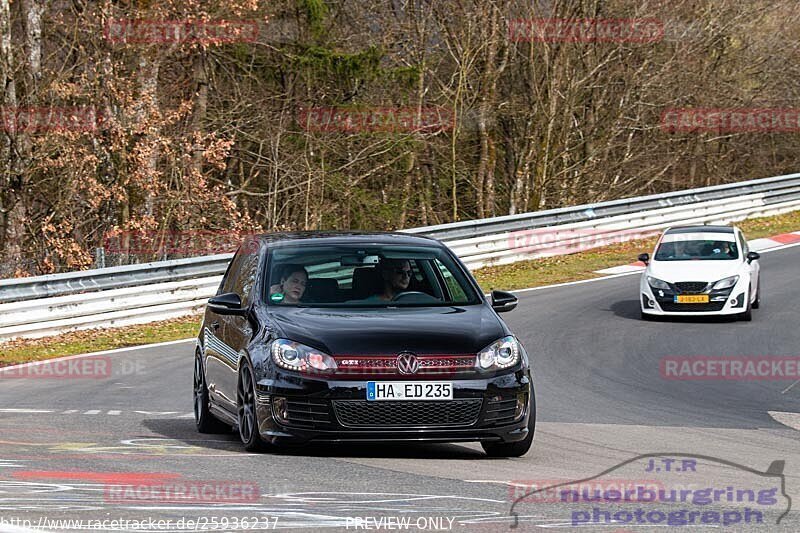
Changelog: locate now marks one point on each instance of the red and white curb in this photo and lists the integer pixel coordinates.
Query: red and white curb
(756, 245)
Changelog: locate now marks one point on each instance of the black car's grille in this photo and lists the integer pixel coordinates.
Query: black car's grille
(307, 412)
(361, 413)
(691, 308)
(500, 412)
(358, 365)
(688, 287)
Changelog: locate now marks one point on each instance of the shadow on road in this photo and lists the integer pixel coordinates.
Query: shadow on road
(184, 431)
(626, 309)
(631, 310)
(387, 450)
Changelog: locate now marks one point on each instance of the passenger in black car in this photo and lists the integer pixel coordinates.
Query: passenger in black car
(292, 285)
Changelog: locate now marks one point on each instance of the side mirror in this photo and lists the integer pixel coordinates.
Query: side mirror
(644, 258)
(226, 304)
(753, 256)
(503, 301)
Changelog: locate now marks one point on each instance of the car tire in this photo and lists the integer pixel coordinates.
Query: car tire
(757, 301)
(747, 316)
(203, 419)
(648, 317)
(514, 449)
(246, 412)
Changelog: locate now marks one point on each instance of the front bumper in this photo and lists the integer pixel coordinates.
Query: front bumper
(298, 410)
(660, 302)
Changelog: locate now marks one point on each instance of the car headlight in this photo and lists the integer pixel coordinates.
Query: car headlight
(657, 283)
(726, 283)
(502, 353)
(295, 356)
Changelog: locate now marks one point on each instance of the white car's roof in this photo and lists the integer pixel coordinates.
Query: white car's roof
(701, 229)
(704, 236)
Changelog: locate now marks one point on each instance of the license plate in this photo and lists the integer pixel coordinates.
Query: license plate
(691, 299)
(409, 390)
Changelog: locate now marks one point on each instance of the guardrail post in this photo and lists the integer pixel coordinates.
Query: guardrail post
(100, 257)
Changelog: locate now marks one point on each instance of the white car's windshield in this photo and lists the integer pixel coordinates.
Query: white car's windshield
(697, 250)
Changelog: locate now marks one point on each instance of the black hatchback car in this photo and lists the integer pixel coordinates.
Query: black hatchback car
(360, 337)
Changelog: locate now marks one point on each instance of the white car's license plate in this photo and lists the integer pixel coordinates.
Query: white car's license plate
(409, 390)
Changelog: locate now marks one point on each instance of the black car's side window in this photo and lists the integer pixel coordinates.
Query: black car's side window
(246, 277)
(225, 278)
(230, 281)
(241, 275)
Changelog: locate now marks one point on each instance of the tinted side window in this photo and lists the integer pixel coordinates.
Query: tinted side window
(231, 276)
(246, 277)
(745, 248)
(225, 278)
(457, 293)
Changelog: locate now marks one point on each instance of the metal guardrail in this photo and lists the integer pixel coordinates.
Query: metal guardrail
(777, 187)
(776, 190)
(47, 305)
(101, 279)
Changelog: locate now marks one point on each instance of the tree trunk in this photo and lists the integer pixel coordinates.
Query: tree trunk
(7, 199)
(32, 21)
(488, 153)
(200, 110)
(148, 109)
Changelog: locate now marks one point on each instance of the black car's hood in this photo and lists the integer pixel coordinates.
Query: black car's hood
(432, 330)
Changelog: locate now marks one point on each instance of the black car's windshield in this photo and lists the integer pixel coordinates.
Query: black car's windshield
(694, 250)
(366, 276)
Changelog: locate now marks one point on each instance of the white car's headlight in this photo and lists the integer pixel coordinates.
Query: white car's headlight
(502, 353)
(726, 283)
(657, 283)
(295, 356)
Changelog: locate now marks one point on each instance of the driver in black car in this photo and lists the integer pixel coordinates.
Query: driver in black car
(395, 275)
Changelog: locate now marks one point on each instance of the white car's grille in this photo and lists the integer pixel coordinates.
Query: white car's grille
(691, 286)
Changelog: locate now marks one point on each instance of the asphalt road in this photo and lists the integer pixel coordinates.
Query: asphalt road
(66, 443)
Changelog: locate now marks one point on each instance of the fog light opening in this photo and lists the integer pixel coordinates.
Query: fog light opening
(522, 402)
(280, 409)
(738, 301)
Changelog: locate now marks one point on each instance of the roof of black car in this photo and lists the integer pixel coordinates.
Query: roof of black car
(365, 237)
(701, 229)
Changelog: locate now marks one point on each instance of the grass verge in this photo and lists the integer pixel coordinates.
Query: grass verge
(524, 274)
(78, 342)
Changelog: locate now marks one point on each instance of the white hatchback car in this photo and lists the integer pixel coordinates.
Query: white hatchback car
(701, 270)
